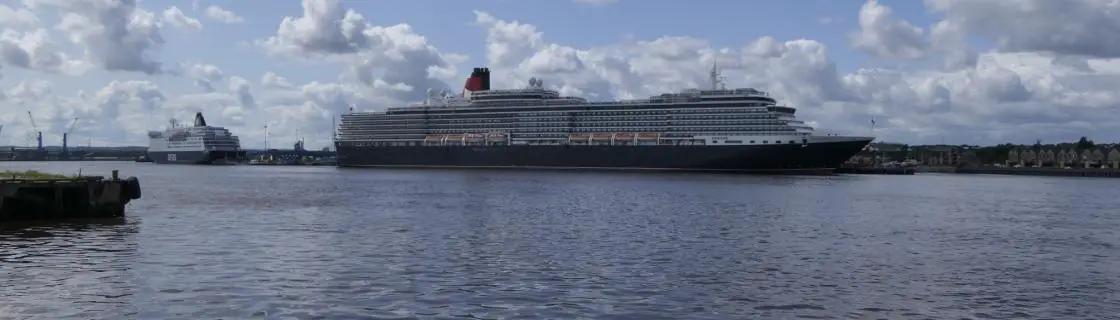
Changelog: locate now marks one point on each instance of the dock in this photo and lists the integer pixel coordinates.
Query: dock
(1044, 171)
(33, 195)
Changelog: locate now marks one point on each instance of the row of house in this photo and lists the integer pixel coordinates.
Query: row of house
(878, 154)
(1095, 157)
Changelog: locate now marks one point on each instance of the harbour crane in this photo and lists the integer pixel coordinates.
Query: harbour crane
(39, 153)
(38, 134)
(65, 137)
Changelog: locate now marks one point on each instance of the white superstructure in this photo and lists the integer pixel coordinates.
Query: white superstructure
(199, 137)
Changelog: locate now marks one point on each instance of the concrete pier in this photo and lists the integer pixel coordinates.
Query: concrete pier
(38, 196)
(1044, 171)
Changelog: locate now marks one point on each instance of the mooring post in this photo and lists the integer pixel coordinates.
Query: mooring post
(114, 174)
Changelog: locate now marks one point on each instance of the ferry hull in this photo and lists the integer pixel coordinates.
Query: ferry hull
(812, 158)
(196, 157)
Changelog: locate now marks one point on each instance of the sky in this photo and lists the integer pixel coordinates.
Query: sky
(931, 71)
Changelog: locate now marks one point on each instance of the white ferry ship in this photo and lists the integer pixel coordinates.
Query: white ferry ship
(198, 144)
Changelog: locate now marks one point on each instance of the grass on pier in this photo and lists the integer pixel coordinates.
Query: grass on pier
(32, 175)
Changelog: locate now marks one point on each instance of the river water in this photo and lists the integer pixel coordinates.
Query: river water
(241, 242)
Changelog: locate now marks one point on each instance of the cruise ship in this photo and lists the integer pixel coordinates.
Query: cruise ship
(715, 129)
(198, 144)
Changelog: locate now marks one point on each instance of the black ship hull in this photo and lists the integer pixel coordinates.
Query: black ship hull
(196, 157)
(815, 157)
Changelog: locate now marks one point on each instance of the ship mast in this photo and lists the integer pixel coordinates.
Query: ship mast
(715, 78)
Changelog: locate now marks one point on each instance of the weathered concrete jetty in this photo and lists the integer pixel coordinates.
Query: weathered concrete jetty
(33, 195)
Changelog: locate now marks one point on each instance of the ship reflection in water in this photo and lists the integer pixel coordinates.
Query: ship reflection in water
(239, 242)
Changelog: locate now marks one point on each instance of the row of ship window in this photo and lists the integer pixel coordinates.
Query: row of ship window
(566, 119)
(511, 96)
(653, 123)
(511, 118)
(593, 113)
(544, 97)
(664, 134)
(570, 108)
(605, 118)
(630, 129)
(643, 112)
(668, 135)
(373, 142)
(460, 113)
(708, 130)
(352, 124)
(495, 126)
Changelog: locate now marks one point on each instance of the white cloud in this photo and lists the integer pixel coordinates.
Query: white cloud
(115, 35)
(219, 14)
(17, 17)
(177, 18)
(272, 80)
(205, 75)
(885, 36)
(34, 50)
(244, 91)
(1076, 27)
(1053, 75)
(29, 91)
(406, 63)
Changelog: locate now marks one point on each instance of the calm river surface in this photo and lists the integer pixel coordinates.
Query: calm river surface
(323, 243)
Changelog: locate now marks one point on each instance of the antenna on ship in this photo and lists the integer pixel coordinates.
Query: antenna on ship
(715, 77)
(266, 136)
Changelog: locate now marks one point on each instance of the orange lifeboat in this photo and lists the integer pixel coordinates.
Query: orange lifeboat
(624, 136)
(648, 136)
(601, 136)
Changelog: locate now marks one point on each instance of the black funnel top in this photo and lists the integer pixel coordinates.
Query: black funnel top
(199, 121)
(485, 73)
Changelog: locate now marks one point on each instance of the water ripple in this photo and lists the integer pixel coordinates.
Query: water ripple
(322, 243)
